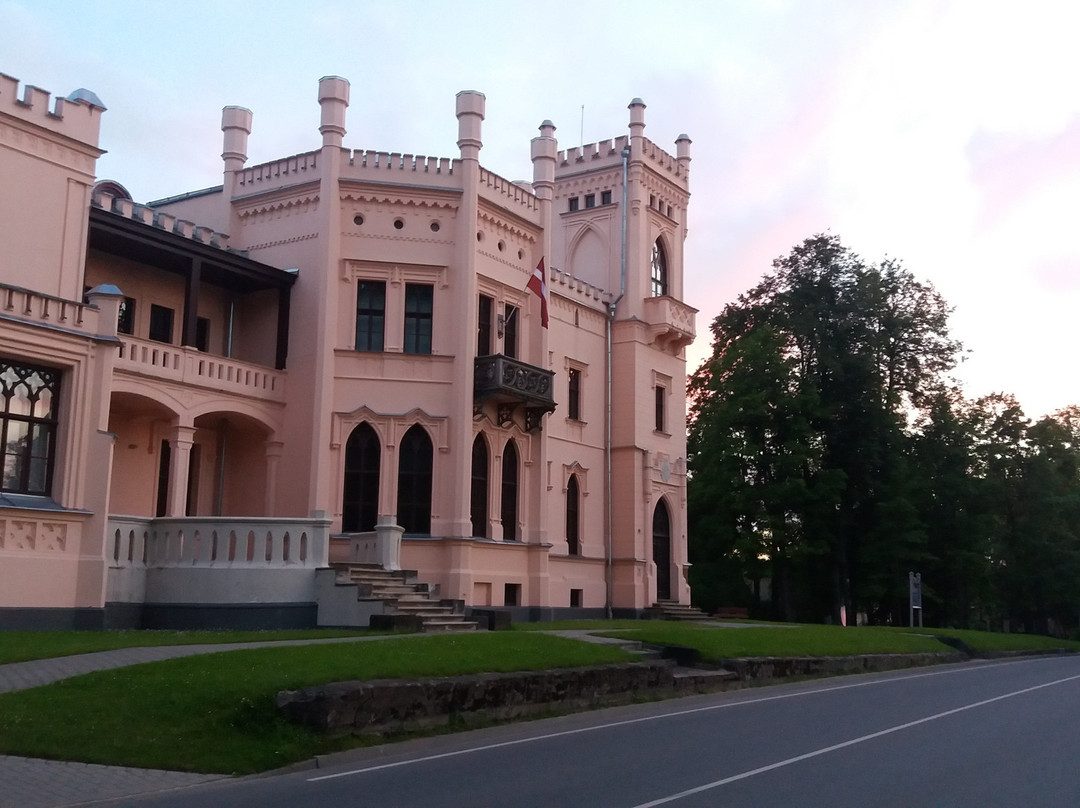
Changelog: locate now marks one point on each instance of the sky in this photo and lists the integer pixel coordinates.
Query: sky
(943, 133)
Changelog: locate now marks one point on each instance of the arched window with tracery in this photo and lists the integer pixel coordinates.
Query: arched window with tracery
(659, 269)
(573, 516)
(414, 482)
(509, 502)
(479, 496)
(360, 495)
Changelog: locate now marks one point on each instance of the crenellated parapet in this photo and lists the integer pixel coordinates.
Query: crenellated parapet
(278, 173)
(567, 285)
(592, 155)
(147, 215)
(394, 167)
(664, 162)
(508, 194)
(78, 116)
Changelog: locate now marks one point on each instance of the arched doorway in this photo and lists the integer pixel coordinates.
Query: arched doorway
(661, 548)
(360, 495)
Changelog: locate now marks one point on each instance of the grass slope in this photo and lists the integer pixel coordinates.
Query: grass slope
(216, 712)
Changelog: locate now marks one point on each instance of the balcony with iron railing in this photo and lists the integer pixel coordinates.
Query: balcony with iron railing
(511, 383)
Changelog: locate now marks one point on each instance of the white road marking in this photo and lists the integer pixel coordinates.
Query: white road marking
(676, 714)
(852, 742)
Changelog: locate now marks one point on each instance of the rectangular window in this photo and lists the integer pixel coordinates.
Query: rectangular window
(512, 595)
(590, 200)
(161, 323)
(575, 598)
(370, 315)
(605, 197)
(202, 334)
(661, 396)
(29, 397)
(483, 325)
(573, 394)
(419, 301)
(510, 331)
(573, 204)
(125, 319)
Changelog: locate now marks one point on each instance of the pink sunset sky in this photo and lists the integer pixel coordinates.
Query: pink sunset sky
(945, 134)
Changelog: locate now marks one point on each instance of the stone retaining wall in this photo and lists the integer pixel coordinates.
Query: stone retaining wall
(384, 705)
(387, 705)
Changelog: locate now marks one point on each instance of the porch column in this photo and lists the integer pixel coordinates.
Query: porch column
(274, 449)
(181, 439)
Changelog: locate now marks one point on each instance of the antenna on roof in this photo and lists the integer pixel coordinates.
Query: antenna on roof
(582, 141)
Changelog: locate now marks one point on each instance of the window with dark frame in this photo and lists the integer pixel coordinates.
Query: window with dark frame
(510, 331)
(659, 270)
(605, 197)
(370, 315)
(29, 398)
(125, 317)
(509, 505)
(573, 505)
(360, 487)
(484, 308)
(202, 334)
(590, 200)
(415, 465)
(573, 394)
(161, 323)
(573, 204)
(419, 304)
(479, 491)
(661, 396)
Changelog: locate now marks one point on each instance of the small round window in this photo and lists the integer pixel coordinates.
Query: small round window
(435, 227)
(398, 224)
(358, 220)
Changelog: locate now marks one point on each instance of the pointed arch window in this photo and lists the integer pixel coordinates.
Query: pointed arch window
(479, 498)
(509, 501)
(659, 269)
(360, 494)
(573, 516)
(28, 422)
(414, 482)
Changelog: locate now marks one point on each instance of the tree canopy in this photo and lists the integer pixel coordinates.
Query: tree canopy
(831, 453)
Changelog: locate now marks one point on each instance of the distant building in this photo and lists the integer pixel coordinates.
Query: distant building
(198, 426)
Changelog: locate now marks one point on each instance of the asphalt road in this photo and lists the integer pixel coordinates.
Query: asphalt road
(976, 735)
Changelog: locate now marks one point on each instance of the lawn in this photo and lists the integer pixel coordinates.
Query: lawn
(216, 712)
(750, 640)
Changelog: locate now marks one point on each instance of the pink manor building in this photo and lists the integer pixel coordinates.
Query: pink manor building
(201, 429)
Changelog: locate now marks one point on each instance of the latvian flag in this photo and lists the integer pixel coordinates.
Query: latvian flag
(538, 284)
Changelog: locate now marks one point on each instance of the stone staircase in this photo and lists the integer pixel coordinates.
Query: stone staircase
(406, 601)
(673, 610)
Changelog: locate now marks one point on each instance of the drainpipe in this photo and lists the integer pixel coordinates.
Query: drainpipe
(609, 572)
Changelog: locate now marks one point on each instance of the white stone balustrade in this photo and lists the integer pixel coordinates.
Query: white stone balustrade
(267, 543)
(193, 367)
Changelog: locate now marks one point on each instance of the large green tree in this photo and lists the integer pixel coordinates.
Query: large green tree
(799, 443)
